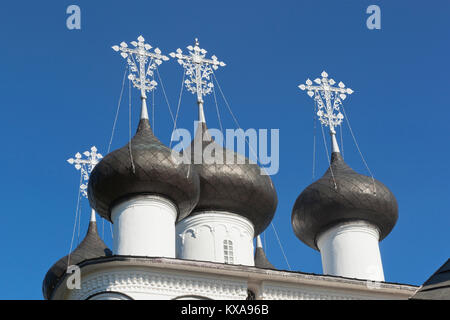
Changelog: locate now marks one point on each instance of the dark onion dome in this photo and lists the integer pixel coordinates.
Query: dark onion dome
(437, 287)
(91, 247)
(239, 187)
(155, 172)
(261, 260)
(355, 197)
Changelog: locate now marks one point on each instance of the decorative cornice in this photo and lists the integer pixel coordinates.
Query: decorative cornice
(214, 219)
(161, 283)
(273, 292)
(242, 275)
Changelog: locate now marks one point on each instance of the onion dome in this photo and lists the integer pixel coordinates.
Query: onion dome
(342, 195)
(238, 187)
(91, 247)
(144, 166)
(261, 260)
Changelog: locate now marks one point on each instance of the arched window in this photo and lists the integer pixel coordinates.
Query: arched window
(191, 297)
(109, 295)
(228, 251)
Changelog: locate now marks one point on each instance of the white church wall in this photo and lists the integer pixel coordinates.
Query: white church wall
(351, 250)
(144, 226)
(217, 237)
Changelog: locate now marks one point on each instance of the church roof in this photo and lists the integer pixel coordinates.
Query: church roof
(238, 187)
(91, 247)
(437, 287)
(261, 260)
(342, 195)
(150, 169)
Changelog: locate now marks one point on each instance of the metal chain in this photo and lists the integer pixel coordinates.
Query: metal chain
(342, 142)
(217, 110)
(360, 153)
(129, 126)
(76, 218)
(178, 107)
(237, 123)
(314, 142)
(281, 246)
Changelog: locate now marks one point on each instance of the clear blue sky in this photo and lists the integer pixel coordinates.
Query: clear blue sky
(59, 92)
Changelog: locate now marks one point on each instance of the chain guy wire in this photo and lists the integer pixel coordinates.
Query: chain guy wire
(314, 142)
(217, 110)
(112, 136)
(360, 153)
(281, 246)
(117, 110)
(178, 107)
(342, 142)
(129, 126)
(165, 95)
(79, 221)
(76, 218)
(237, 124)
(153, 110)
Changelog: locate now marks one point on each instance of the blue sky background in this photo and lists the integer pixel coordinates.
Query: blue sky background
(59, 91)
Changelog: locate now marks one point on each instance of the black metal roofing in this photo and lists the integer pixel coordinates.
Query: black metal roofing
(91, 247)
(437, 287)
(238, 187)
(261, 260)
(156, 172)
(356, 197)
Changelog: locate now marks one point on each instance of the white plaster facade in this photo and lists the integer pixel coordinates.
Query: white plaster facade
(217, 237)
(121, 278)
(351, 250)
(144, 226)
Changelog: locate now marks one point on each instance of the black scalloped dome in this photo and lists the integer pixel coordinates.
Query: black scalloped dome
(91, 247)
(237, 188)
(156, 172)
(321, 205)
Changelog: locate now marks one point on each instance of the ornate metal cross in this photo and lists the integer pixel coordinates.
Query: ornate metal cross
(328, 110)
(86, 165)
(147, 61)
(198, 69)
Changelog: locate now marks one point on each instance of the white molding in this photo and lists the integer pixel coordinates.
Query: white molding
(274, 291)
(150, 284)
(164, 278)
